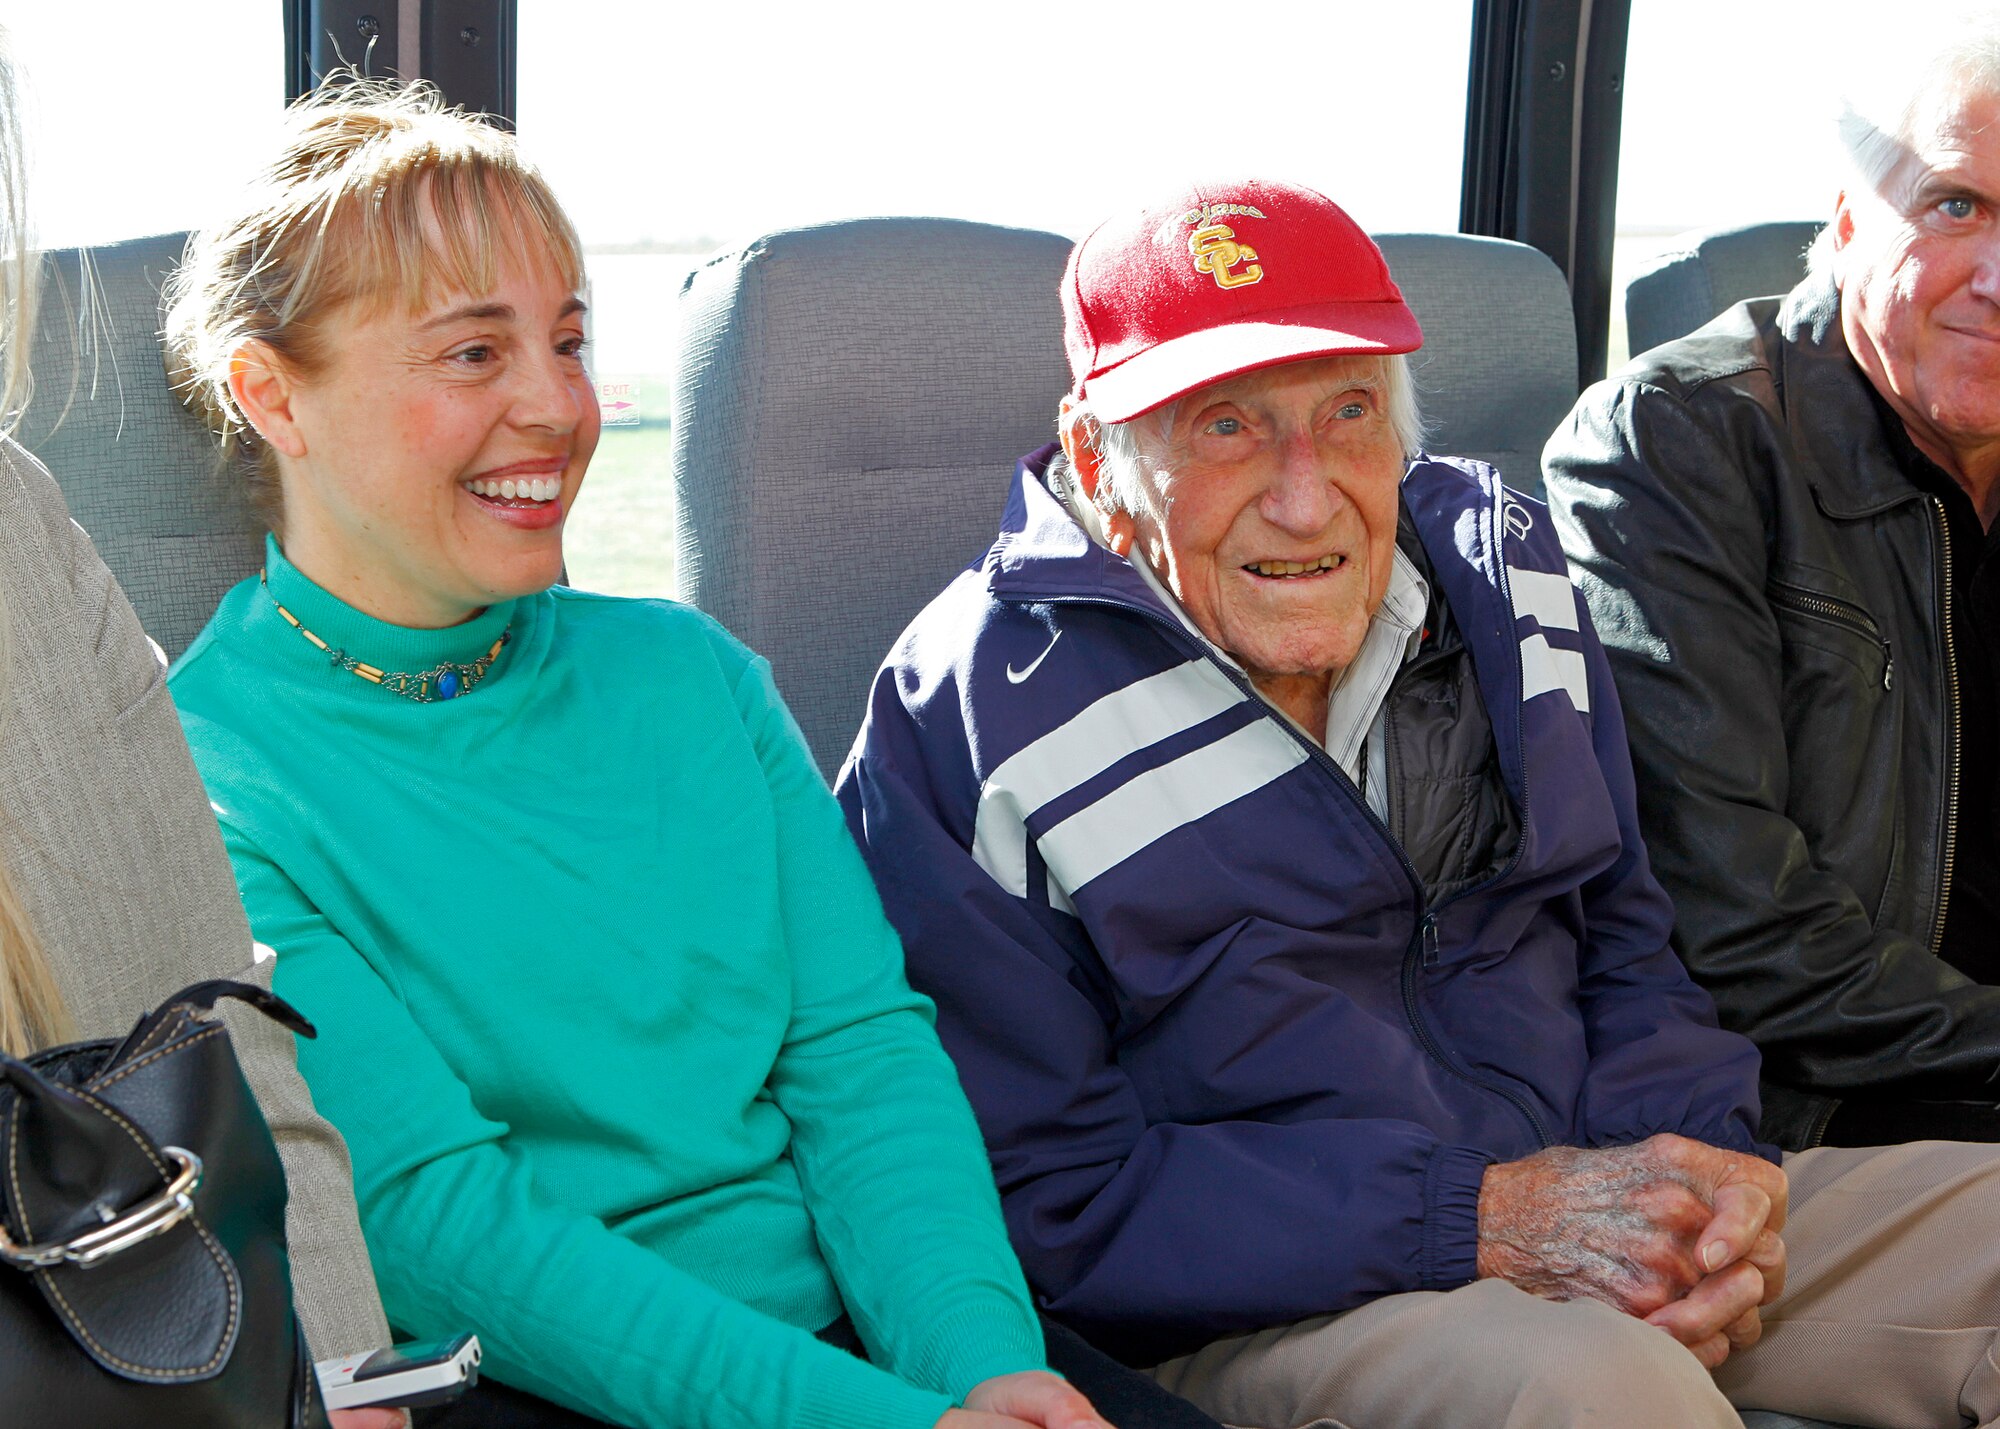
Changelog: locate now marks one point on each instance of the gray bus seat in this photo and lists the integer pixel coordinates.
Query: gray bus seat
(1705, 273)
(1497, 371)
(852, 398)
(140, 472)
(850, 403)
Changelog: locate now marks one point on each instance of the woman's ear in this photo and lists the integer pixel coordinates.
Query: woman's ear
(264, 388)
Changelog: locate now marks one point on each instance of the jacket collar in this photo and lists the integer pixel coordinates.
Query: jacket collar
(1830, 408)
(1042, 554)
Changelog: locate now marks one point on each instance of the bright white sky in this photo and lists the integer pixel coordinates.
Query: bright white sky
(678, 123)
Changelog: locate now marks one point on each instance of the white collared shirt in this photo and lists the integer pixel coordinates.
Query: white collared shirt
(1356, 733)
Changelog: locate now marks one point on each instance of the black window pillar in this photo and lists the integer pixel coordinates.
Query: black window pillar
(464, 47)
(1543, 107)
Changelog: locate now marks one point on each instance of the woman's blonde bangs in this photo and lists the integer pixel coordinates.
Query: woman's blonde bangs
(423, 221)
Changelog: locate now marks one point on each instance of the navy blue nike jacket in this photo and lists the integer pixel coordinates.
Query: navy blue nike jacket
(1233, 1069)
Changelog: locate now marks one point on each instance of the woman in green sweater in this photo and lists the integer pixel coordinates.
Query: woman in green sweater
(609, 1013)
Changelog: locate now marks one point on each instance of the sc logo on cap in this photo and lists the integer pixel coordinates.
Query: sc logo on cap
(1216, 252)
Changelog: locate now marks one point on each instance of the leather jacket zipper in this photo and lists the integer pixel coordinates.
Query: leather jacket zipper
(1949, 834)
(1837, 612)
(1422, 949)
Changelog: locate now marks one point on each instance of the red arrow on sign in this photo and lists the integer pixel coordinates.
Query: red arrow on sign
(616, 406)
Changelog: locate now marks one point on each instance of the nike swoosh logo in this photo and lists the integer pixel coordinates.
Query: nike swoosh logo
(1014, 677)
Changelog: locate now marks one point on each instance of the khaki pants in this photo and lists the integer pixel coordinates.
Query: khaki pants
(1889, 1319)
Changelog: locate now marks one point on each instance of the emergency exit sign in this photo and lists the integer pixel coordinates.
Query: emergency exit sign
(618, 403)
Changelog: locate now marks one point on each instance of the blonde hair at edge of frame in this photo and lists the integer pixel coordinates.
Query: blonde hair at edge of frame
(1126, 445)
(20, 265)
(379, 194)
(31, 1007)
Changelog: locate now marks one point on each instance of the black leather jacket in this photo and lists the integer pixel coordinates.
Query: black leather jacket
(1768, 584)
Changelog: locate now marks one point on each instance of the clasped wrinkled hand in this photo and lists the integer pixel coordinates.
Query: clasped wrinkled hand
(1675, 1232)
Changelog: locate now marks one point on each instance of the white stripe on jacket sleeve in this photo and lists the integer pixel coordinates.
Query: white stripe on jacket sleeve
(1104, 732)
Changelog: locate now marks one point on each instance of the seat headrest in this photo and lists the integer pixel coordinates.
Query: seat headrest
(850, 402)
(140, 472)
(1708, 272)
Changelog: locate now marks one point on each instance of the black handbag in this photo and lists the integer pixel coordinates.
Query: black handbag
(143, 1273)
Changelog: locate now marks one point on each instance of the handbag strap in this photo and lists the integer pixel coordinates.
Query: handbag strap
(104, 1218)
(202, 997)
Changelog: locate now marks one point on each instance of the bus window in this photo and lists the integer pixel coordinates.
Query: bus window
(672, 130)
(142, 116)
(1729, 119)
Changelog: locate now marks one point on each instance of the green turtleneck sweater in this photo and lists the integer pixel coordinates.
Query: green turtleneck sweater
(608, 1011)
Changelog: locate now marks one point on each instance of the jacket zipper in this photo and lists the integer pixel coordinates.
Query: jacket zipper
(1422, 949)
(1816, 1133)
(1837, 612)
(1950, 831)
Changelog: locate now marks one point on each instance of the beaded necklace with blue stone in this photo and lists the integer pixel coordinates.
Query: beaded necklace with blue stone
(445, 681)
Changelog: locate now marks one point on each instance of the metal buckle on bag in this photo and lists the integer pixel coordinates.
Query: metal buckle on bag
(150, 1218)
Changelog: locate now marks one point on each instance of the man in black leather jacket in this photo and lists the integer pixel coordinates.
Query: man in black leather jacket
(1781, 524)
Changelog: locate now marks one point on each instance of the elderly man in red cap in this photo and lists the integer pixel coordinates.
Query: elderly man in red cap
(1259, 815)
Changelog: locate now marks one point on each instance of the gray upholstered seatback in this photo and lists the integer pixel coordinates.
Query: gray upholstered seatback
(1497, 370)
(139, 471)
(1702, 274)
(852, 399)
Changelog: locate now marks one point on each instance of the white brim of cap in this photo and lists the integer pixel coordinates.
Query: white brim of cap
(1177, 367)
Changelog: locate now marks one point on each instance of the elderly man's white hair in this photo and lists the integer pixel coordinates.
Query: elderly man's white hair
(1126, 445)
(1882, 105)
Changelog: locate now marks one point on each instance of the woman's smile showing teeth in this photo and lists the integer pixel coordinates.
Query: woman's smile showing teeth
(1281, 570)
(508, 489)
(526, 496)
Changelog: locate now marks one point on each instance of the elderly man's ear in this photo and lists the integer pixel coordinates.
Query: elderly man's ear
(1079, 444)
(1842, 225)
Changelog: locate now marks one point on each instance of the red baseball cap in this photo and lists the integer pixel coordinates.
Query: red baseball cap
(1223, 279)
